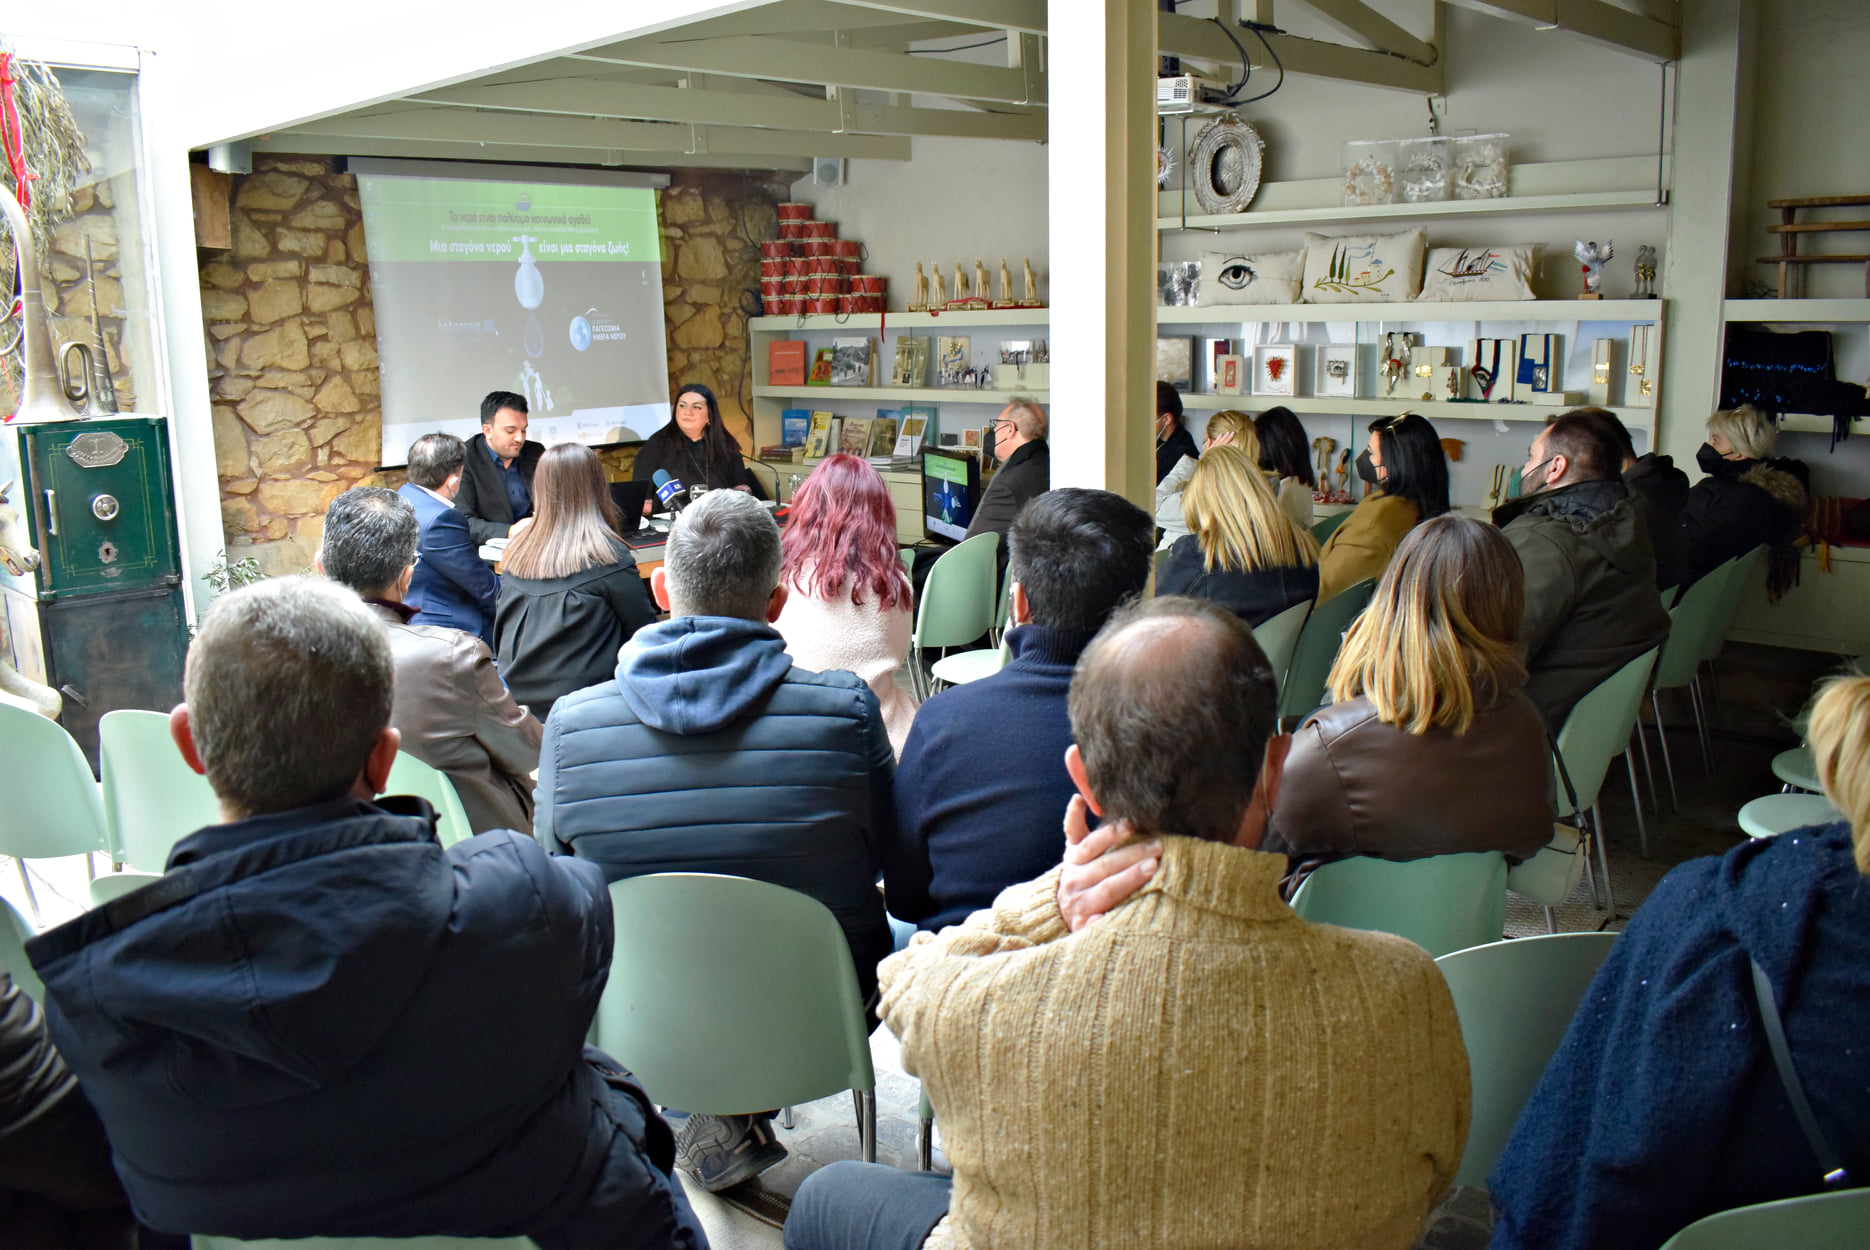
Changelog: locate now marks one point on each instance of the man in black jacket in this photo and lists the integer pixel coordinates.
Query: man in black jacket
(1173, 441)
(1025, 469)
(496, 481)
(1660, 492)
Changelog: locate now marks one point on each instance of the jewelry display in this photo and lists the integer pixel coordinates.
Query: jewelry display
(1600, 373)
(1337, 370)
(1426, 363)
(1394, 358)
(1480, 167)
(1591, 258)
(1494, 369)
(1424, 169)
(1643, 367)
(1369, 172)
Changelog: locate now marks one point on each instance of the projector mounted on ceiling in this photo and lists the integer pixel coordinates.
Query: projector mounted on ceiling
(1187, 93)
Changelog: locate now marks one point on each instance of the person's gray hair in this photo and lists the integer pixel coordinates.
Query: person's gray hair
(370, 538)
(434, 457)
(289, 684)
(1747, 430)
(722, 557)
(1028, 418)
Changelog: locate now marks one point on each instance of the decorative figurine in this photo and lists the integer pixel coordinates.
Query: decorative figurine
(920, 302)
(1645, 272)
(938, 296)
(1344, 474)
(1031, 297)
(961, 295)
(1592, 258)
(1004, 296)
(983, 289)
(1322, 448)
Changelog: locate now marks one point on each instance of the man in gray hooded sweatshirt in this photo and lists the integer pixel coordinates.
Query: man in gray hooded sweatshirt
(712, 753)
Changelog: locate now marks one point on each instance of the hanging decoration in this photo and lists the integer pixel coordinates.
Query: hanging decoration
(1225, 165)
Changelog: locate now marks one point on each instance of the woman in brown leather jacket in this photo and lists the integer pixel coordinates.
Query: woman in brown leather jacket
(1431, 747)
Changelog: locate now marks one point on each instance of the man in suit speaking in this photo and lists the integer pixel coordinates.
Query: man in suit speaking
(452, 586)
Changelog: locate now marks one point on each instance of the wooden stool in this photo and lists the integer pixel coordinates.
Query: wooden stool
(1789, 229)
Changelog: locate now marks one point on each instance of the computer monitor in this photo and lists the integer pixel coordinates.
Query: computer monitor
(629, 498)
(950, 493)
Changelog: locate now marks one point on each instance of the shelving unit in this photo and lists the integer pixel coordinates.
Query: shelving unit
(1434, 410)
(1580, 202)
(1810, 311)
(1542, 311)
(893, 394)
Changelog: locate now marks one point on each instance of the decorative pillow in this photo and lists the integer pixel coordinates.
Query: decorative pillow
(1455, 274)
(1363, 268)
(1251, 277)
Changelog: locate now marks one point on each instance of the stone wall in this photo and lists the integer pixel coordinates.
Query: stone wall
(291, 339)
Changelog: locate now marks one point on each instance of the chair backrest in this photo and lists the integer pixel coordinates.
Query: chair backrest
(1317, 648)
(152, 799)
(14, 934)
(1692, 621)
(1598, 730)
(1278, 636)
(1442, 903)
(1743, 573)
(1515, 1000)
(1839, 1221)
(59, 811)
(957, 599)
(1325, 526)
(203, 1241)
(729, 996)
(409, 775)
(114, 885)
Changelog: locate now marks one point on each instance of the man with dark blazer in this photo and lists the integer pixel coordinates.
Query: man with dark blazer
(1025, 469)
(496, 476)
(452, 586)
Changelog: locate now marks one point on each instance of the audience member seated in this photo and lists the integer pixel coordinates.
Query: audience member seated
(695, 449)
(496, 481)
(1173, 441)
(847, 593)
(570, 595)
(1244, 553)
(1287, 455)
(451, 709)
(1226, 428)
(1660, 492)
(1200, 1067)
(57, 1189)
(983, 783)
(1664, 1102)
(1432, 746)
(1591, 600)
(1749, 498)
(320, 1022)
(1025, 471)
(711, 752)
(1408, 475)
(453, 587)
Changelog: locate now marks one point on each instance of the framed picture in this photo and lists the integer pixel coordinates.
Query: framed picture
(1275, 369)
(1175, 363)
(1337, 370)
(1230, 375)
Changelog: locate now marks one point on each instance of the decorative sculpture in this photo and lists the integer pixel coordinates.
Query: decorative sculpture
(961, 295)
(1031, 298)
(982, 287)
(938, 294)
(1592, 258)
(920, 301)
(1004, 298)
(1645, 272)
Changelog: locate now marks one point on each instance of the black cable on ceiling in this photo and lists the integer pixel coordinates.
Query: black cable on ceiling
(985, 43)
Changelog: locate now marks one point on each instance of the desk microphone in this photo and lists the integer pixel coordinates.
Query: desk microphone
(667, 488)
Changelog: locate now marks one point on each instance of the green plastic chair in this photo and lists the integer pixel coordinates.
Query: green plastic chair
(1324, 527)
(1743, 573)
(202, 1241)
(1278, 637)
(965, 666)
(1601, 725)
(152, 799)
(1774, 814)
(1515, 1000)
(1317, 649)
(957, 602)
(729, 996)
(1839, 1221)
(114, 885)
(409, 775)
(1797, 769)
(1692, 621)
(1441, 903)
(60, 812)
(14, 934)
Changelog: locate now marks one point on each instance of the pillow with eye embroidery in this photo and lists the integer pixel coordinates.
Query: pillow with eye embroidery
(1251, 277)
(1456, 274)
(1363, 268)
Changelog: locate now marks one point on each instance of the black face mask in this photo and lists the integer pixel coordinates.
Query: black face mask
(1366, 470)
(1714, 464)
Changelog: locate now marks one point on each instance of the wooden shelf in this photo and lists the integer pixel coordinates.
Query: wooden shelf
(1434, 410)
(933, 323)
(905, 395)
(1806, 310)
(1540, 310)
(1586, 201)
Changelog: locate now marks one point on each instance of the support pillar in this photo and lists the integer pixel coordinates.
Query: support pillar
(1101, 77)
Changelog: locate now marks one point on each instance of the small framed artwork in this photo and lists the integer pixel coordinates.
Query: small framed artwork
(1275, 369)
(1175, 363)
(1337, 370)
(1230, 375)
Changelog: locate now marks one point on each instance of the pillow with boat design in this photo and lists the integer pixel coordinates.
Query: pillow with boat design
(1461, 274)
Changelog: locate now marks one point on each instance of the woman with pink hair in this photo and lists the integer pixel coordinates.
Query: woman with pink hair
(849, 606)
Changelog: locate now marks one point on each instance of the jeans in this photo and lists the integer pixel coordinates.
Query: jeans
(866, 1206)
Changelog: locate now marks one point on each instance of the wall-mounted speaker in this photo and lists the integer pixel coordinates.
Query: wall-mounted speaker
(828, 171)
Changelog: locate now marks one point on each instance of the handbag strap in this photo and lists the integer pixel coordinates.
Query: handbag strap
(1564, 777)
(1835, 1176)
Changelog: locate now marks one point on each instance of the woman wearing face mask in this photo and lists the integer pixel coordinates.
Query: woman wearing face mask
(695, 448)
(1405, 464)
(1748, 497)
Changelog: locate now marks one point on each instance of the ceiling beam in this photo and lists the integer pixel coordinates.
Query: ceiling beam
(506, 153)
(1360, 21)
(454, 125)
(783, 110)
(1600, 22)
(1199, 39)
(1027, 16)
(793, 60)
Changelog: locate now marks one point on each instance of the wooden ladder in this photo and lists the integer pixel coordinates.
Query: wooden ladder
(1789, 229)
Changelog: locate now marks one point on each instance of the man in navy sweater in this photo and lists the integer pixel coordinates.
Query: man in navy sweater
(981, 789)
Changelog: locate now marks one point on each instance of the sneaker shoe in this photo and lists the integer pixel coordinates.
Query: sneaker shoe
(721, 1151)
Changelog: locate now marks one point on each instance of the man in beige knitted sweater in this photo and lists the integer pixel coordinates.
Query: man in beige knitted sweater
(1145, 1047)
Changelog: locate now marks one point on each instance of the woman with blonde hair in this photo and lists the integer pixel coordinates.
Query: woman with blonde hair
(1243, 551)
(1226, 428)
(570, 595)
(1666, 1102)
(1431, 746)
(1749, 497)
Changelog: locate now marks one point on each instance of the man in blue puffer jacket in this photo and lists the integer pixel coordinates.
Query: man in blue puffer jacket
(319, 1022)
(711, 753)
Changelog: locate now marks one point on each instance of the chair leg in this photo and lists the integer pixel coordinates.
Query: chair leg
(1551, 921)
(867, 1104)
(1649, 772)
(1668, 763)
(1714, 688)
(1603, 859)
(785, 1117)
(1642, 830)
(1701, 725)
(31, 898)
(90, 866)
(1590, 866)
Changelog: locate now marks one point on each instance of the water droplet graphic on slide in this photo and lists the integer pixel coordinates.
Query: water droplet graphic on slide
(535, 336)
(580, 334)
(528, 282)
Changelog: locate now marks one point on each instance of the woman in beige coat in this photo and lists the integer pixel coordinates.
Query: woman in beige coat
(1406, 466)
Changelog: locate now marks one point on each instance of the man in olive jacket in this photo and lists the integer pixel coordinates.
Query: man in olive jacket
(1591, 599)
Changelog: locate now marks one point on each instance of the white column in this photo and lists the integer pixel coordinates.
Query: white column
(1101, 168)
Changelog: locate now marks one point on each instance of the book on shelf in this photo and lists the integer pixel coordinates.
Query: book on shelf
(821, 369)
(855, 440)
(914, 429)
(818, 438)
(912, 362)
(785, 362)
(951, 356)
(883, 433)
(779, 453)
(852, 362)
(794, 423)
